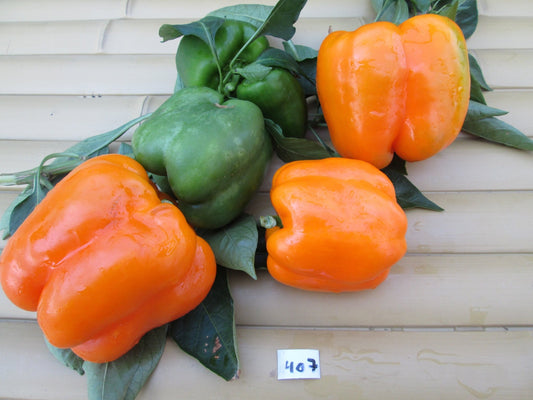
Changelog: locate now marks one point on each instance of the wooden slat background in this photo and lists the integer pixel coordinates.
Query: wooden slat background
(454, 319)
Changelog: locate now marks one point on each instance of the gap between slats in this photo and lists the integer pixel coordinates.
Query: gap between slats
(362, 328)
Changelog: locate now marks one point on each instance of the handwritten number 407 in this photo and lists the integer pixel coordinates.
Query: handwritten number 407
(300, 367)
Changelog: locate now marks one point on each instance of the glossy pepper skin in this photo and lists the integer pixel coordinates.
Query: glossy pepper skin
(281, 98)
(388, 89)
(196, 64)
(342, 227)
(279, 95)
(103, 261)
(214, 153)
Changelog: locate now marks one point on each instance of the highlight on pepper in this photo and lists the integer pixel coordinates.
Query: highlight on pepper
(213, 152)
(278, 94)
(102, 260)
(342, 229)
(388, 89)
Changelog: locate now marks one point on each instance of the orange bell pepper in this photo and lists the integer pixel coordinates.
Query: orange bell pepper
(342, 227)
(103, 260)
(385, 88)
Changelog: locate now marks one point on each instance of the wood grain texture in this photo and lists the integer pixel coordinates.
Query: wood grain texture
(365, 364)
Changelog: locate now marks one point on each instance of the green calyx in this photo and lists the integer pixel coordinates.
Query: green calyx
(213, 152)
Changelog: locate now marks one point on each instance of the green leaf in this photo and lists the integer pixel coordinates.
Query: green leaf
(407, 195)
(476, 73)
(498, 131)
(94, 145)
(280, 21)
(53, 172)
(304, 70)
(276, 21)
(17, 212)
(208, 332)
(402, 13)
(467, 17)
(476, 92)
(292, 149)
(377, 5)
(125, 149)
(464, 12)
(178, 85)
(447, 8)
(307, 78)
(477, 111)
(124, 378)
(477, 81)
(273, 57)
(420, 6)
(67, 357)
(254, 14)
(395, 11)
(204, 29)
(299, 52)
(254, 72)
(23, 205)
(67, 160)
(162, 183)
(397, 164)
(234, 245)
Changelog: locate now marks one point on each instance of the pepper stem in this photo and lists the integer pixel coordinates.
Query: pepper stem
(28, 176)
(8, 180)
(231, 71)
(269, 221)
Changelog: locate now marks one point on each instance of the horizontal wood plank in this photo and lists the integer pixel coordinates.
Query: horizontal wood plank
(44, 118)
(59, 10)
(452, 320)
(312, 9)
(518, 8)
(472, 222)
(516, 104)
(473, 164)
(89, 75)
(140, 36)
(155, 74)
(467, 165)
(489, 290)
(368, 364)
(506, 68)
(75, 117)
(58, 37)
(497, 32)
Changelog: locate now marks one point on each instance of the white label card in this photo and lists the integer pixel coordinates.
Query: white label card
(298, 364)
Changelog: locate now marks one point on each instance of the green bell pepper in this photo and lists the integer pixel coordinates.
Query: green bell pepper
(279, 96)
(213, 152)
(197, 65)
